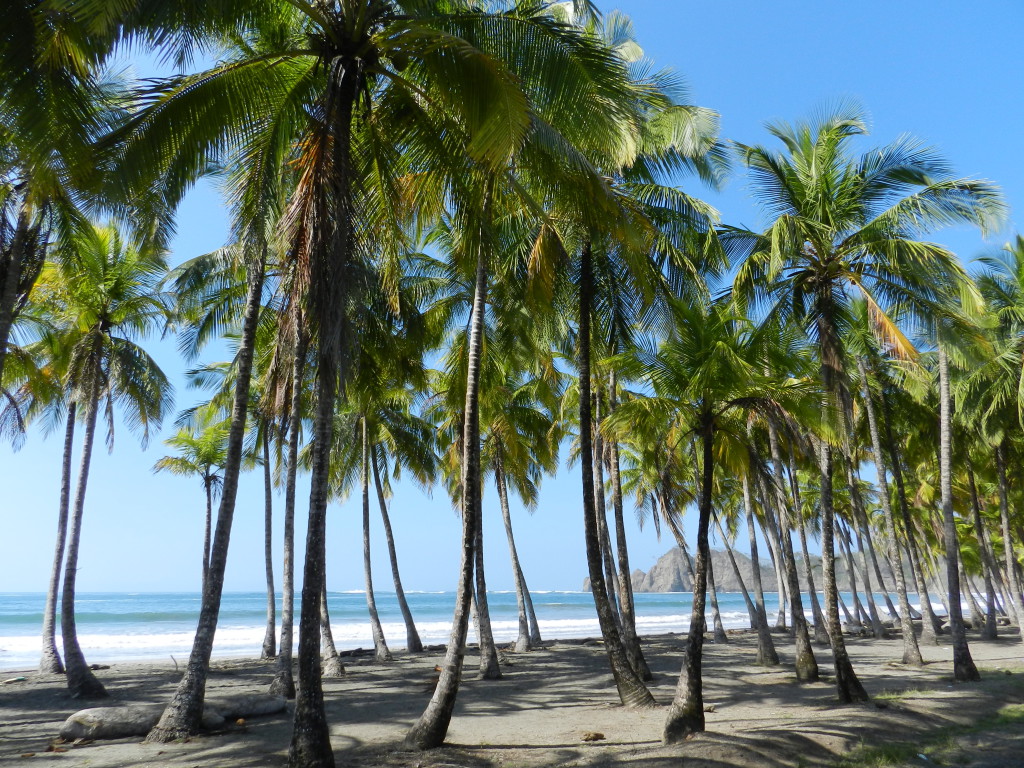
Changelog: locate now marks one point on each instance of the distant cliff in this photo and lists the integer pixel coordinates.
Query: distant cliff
(670, 573)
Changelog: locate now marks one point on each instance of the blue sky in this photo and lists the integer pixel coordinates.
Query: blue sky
(946, 72)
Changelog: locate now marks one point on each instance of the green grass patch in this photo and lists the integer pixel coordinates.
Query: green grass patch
(1011, 714)
(895, 697)
(943, 750)
(888, 756)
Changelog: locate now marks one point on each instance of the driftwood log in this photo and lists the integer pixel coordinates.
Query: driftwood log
(138, 719)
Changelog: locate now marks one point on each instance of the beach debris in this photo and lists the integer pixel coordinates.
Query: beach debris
(10, 680)
(99, 666)
(709, 707)
(139, 719)
(431, 682)
(593, 736)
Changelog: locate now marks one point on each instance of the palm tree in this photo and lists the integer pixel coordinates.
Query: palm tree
(101, 297)
(713, 365)
(34, 383)
(54, 102)
(994, 389)
(864, 345)
(843, 225)
(520, 440)
(200, 453)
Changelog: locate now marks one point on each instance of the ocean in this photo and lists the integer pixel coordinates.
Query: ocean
(116, 627)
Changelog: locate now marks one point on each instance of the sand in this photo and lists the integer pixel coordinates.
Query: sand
(548, 699)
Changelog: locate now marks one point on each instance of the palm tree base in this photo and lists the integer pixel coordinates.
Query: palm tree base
(332, 667)
(684, 722)
(283, 684)
(50, 664)
(806, 667)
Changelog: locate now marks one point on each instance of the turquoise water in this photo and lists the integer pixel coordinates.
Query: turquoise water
(123, 626)
(139, 626)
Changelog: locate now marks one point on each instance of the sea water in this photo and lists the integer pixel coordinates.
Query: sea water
(160, 626)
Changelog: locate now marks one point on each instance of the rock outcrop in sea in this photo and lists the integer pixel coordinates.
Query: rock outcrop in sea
(670, 573)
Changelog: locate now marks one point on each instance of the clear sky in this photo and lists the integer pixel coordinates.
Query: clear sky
(945, 71)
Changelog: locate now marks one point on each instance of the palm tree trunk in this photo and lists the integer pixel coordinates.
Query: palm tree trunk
(207, 530)
(489, 667)
(432, 727)
(851, 572)
(183, 716)
(11, 284)
(311, 743)
(820, 624)
(413, 644)
(820, 630)
(531, 614)
(1016, 604)
(929, 622)
(911, 650)
(766, 653)
(963, 664)
(686, 714)
(50, 662)
(867, 550)
(751, 608)
(988, 628)
(806, 664)
(283, 683)
(329, 658)
(848, 687)
(380, 645)
(270, 636)
(631, 689)
(82, 683)
(331, 249)
(523, 638)
(610, 573)
(716, 616)
(877, 628)
(625, 583)
(771, 539)
(977, 615)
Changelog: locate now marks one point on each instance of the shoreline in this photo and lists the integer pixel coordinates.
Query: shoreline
(116, 628)
(550, 698)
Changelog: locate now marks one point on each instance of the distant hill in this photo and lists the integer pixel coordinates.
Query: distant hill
(670, 574)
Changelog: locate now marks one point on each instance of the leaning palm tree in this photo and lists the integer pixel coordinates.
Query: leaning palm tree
(865, 347)
(199, 453)
(520, 439)
(844, 226)
(102, 296)
(411, 72)
(714, 364)
(34, 387)
(994, 392)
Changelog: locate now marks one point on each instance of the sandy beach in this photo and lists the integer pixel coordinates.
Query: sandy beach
(549, 699)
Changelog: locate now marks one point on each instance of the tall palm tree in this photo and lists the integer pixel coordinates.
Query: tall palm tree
(712, 366)
(993, 390)
(863, 344)
(520, 440)
(102, 296)
(34, 385)
(200, 453)
(841, 226)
